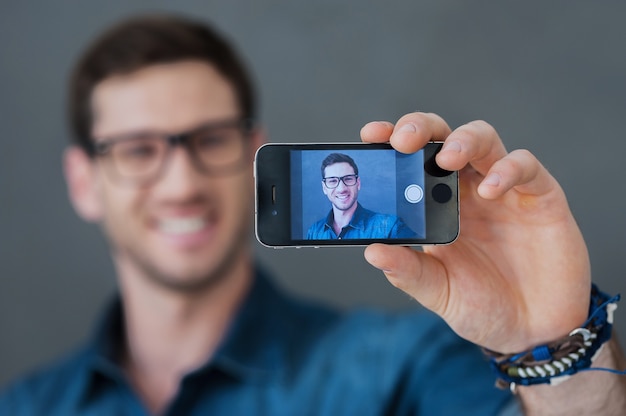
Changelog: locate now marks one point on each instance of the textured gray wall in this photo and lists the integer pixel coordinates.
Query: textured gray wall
(549, 75)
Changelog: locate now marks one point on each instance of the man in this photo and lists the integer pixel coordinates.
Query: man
(347, 218)
(161, 110)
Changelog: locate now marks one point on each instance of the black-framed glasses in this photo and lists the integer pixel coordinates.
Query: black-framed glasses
(332, 182)
(215, 148)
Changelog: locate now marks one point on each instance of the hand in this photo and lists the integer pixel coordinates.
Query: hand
(519, 273)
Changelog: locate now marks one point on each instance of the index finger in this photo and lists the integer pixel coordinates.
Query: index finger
(410, 133)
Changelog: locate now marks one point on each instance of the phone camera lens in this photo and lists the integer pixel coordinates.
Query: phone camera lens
(441, 193)
(274, 212)
(432, 168)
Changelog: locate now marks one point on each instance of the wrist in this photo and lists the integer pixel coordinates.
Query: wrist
(588, 392)
(555, 361)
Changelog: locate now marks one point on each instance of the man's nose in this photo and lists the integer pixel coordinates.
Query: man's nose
(341, 186)
(181, 176)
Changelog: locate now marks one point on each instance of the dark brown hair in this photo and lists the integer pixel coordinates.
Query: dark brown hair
(147, 40)
(333, 158)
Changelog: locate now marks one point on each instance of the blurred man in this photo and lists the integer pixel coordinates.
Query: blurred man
(163, 116)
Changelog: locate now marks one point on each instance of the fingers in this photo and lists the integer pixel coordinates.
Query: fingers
(409, 134)
(520, 170)
(421, 276)
(377, 132)
(475, 144)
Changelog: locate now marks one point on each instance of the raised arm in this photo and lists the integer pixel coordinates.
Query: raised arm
(519, 275)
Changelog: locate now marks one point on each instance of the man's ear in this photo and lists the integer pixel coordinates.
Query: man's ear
(81, 184)
(324, 188)
(258, 138)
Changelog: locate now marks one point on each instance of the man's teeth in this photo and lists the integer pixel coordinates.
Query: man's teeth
(181, 225)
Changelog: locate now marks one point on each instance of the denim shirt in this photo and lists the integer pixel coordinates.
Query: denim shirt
(284, 356)
(363, 224)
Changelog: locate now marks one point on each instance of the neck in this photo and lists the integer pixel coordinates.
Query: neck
(341, 218)
(169, 333)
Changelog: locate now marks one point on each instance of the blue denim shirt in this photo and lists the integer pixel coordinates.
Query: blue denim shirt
(363, 224)
(284, 356)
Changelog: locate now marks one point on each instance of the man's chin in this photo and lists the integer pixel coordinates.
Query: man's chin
(209, 270)
(191, 282)
(344, 207)
(187, 270)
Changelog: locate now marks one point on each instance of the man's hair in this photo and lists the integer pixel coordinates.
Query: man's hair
(333, 158)
(142, 41)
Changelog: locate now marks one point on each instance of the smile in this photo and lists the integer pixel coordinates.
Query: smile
(180, 226)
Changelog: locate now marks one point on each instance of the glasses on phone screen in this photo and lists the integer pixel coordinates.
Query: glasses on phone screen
(332, 182)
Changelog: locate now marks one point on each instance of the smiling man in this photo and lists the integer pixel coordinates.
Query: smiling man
(347, 218)
(178, 233)
(163, 116)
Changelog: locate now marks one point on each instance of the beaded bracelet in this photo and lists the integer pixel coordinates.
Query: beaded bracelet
(555, 362)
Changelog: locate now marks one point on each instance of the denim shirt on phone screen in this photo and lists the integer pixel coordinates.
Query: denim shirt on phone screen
(365, 224)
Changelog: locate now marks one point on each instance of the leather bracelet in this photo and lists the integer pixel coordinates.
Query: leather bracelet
(556, 361)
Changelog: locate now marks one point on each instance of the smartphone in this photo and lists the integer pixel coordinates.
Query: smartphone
(353, 194)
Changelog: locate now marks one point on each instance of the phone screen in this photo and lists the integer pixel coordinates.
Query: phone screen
(334, 194)
(384, 194)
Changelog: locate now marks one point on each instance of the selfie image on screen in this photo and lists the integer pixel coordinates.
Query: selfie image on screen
(357, 194)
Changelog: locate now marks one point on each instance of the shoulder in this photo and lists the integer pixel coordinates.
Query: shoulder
(387, 222)
(318, 229)
(47, 390)
(370, 215)
(337, 324)
(327, 219)
(397, 331)
(318, 224)
(416, 358)
(386, 340)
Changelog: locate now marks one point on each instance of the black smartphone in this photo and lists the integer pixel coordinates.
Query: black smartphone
(338, 194)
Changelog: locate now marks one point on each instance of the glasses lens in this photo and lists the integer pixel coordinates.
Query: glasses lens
(138, 157)
(218, 148)
(349, 180)
(331, 182)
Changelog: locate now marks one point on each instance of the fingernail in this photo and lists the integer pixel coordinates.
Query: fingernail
(492, 179)
(408, 128)
(384, 122)
(452, 146)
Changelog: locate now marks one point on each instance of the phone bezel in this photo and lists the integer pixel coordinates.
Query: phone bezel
(273, 203)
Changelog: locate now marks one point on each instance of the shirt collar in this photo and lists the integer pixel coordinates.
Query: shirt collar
(253, 346)
(104, 351)
(251, 349)
(357, 221)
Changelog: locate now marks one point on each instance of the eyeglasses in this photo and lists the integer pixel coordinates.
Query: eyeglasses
(332, 182)
(140, 158)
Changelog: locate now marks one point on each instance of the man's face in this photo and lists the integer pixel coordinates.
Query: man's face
(186, 228)
(342, 197)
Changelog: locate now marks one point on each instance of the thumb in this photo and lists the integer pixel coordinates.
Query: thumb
(420, 275)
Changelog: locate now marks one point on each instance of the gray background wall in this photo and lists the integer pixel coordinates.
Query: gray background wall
(550, 76)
